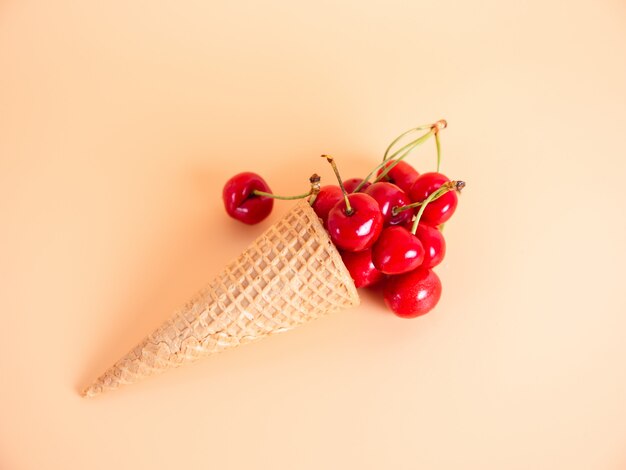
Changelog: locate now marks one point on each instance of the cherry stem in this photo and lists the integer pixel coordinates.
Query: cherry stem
(438, 143)
(436, 127)
(256, 192)
(396, 210)
(331, 160)
(410, 146)
(443, 189)
(408, 150)
(315, 188)
(394, 141)
(433, 129)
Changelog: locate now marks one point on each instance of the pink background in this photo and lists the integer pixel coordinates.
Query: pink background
(119, 123)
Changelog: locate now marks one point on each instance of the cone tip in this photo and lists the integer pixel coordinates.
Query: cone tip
(90, 391)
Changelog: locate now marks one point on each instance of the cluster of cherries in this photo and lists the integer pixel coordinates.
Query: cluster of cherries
(387, 230)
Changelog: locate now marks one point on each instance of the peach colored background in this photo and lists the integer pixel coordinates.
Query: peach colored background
(120, 121)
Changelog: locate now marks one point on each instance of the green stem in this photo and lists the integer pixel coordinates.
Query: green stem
(331, 160)
(315, 189)
(397, 160)
(438, 150)
(443, 189)
(397, 210)
(414, 143)
(408, 148)
(394, 141)
(256, 192)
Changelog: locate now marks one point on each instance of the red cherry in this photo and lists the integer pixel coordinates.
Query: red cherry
(412, 294)
(325, 200)
(389, 196)
(397, 251)
(240, 201)
(356, 230)
(403, 175)
(361, 268)
(440, 210)
(434, 245)
(351, 184)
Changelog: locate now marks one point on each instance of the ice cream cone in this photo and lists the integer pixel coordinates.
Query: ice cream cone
(290, 275)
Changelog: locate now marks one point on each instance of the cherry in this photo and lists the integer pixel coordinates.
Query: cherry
(352, 183)
(412, 294)
(355, 222)
(402, 175)
(389, 196)
(325, 200)
(434, 245)
(361, 268)
(397, 251)
(439, 210)
(242, 203)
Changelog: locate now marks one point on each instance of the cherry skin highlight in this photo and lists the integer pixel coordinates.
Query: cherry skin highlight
(325, 200)
(356, 230)
(351, 184)
(403, 175)
(240, 201)
(412, 294)
(434, 245)
(397, 251)
(361, 268)
(440, 210)
(389, 196)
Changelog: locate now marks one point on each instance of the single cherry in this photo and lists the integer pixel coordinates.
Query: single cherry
(412, 294)
(403, 175)
(361, 268)
(439, 210)
(389, 196)
(434, 245)
(352, 183)
(325, 200)
(355, 222)
(240, 201)
(397, 251)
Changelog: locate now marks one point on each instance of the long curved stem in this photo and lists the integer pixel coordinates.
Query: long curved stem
(315, 189)
(412, 144)
(408, 148)
(256, 192)
(394, 141)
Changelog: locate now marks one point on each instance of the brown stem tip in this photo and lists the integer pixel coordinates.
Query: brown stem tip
(440, 125)
(315, 185)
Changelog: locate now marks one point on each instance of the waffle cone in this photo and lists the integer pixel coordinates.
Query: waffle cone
(290, 275)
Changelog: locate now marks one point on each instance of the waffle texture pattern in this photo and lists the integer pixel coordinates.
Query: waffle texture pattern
(290, 275)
